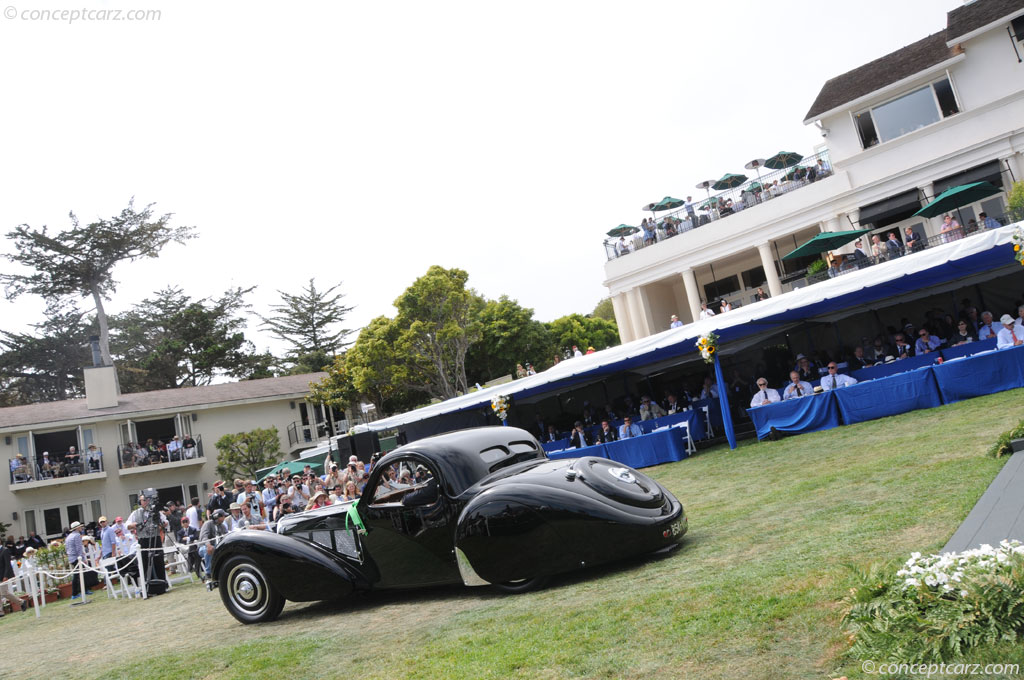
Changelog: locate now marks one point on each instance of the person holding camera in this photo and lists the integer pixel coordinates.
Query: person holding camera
(298, 493)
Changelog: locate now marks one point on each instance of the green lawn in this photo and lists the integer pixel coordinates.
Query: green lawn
(754, 592)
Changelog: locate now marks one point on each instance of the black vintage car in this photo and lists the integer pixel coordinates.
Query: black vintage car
(481, 507)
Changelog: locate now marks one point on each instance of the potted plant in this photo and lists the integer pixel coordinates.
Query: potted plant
(50, 595)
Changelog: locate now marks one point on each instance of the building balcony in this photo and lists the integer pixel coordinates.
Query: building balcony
(747, 196)
(26, 475)
(133, 460)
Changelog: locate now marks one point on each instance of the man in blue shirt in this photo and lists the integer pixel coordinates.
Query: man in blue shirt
(988, 222)
(107, 538)
(629, 429)
(926, 342)
(676, 323)
(76, 553)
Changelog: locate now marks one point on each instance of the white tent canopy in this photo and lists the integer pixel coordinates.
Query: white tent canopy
(947, 262)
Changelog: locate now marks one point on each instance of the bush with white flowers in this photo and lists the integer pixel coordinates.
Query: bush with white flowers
(500, 405)
(937, 607)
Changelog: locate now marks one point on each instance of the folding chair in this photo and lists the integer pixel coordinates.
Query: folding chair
(707, 419)
(691, 448)
(175, 558)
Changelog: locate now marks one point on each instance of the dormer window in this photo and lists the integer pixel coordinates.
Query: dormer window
(906, 113)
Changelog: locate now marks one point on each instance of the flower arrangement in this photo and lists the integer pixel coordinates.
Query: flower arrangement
(937, 607)
(500, 405)
(1018, 245)
(708, 345)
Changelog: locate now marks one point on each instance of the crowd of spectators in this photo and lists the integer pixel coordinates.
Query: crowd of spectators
(939, 330)
(52, 466)
(136, 454)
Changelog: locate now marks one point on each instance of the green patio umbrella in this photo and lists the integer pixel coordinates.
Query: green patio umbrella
(825, 241)
(708, 204)
(623, 230)
(669, 203)
(954, 197)
(754, 186)
(783, 159)
(729, 181)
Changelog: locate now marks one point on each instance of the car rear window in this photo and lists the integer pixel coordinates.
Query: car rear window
(497, 457)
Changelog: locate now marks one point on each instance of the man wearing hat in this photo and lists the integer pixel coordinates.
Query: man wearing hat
(76, 553)
(218, 499)
(107, 538)
(235, 522)
(150, 522)
(213, 530)
(1009, 335)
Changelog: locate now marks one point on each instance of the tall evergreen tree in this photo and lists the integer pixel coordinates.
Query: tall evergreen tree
(46, 365)
(309, 322)
(81, 261)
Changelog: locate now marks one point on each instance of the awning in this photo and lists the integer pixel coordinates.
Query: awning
(315, 462)
(899, 206)
(980, 253)
(989, 172)
(827, 240)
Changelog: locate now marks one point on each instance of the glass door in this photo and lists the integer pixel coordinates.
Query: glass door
(52, 525)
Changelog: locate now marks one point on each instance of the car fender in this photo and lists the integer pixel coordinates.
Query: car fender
(299, 569)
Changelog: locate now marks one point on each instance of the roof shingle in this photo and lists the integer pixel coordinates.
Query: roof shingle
(883, 71)
(974, 15)
(158, 400)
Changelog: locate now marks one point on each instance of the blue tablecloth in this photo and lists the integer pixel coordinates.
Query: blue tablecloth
(888, 396)
(981, 374)
(666, 446)
(968, 349)
(714, 411)
(694, 418)
(804, 414)
(900, 366)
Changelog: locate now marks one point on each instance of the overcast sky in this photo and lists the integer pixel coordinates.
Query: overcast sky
(364, 142)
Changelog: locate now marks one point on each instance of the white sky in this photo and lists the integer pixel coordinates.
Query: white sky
(363, 142)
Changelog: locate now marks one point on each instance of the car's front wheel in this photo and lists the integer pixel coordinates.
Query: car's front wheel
(247, 593)
(522, 585)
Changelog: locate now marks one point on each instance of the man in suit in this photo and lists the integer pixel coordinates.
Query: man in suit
(914, 242)
(607, 433)
(579, 437)
(893, 246)
(859, 256)
(189, 535)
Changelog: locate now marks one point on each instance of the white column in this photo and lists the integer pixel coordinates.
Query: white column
(636, 314)
(934, 223)
(692, 293)
(621, 307)
(647, 314)
(768, 262)
(831, 224)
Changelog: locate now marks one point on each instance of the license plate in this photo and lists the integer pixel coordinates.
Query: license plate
(674, 529)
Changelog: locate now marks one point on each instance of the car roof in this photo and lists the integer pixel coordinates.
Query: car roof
(465, 457)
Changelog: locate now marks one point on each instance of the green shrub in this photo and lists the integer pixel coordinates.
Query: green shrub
(939, 607)
(1002, 445)
(816, 266)
(1015, 200)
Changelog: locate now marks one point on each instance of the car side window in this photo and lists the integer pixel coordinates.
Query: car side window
(399, 478)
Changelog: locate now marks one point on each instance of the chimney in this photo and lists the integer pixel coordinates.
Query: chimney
(101, 386)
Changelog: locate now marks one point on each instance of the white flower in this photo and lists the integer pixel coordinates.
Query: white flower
(912, 582)
(963, 593)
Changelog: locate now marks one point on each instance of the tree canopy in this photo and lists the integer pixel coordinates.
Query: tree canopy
(81, 260)
(437, 326)
(46, 365)
(584, 331)
(245, 453)
(509, 335)
(171, 340)
(309, 322)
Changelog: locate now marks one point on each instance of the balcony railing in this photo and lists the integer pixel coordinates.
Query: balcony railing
(24, 470)
(844, 264)
(748, 195)
(136, 455)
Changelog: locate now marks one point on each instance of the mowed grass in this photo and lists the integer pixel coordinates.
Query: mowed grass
(754, 591)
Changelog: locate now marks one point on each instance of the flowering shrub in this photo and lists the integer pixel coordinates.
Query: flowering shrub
(500, 405)
(935, 608)
(708, 345)
(1018, 245)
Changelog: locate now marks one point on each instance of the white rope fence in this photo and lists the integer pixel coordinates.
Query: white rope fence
(37, 578)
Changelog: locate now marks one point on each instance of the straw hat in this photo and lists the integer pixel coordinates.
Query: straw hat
(76, 525)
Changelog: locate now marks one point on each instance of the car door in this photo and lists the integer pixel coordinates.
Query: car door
(409, 529)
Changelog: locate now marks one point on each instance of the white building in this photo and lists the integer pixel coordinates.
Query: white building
(944, 111)
(109, 420)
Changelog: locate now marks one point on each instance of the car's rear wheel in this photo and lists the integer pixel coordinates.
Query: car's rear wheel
(247, 593)
(523, 585)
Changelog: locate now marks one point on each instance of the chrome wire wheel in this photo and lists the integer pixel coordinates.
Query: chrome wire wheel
(246, 592)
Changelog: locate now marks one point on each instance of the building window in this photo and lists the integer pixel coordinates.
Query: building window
(721, 288)
(909, 112)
